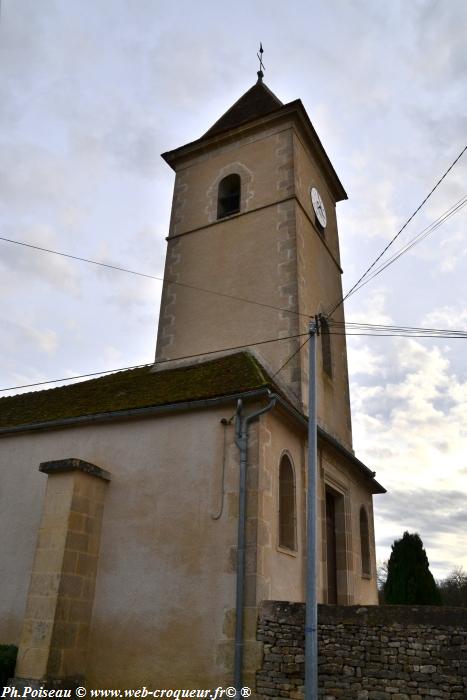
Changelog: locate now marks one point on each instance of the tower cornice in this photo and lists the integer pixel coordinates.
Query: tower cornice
(292, 111)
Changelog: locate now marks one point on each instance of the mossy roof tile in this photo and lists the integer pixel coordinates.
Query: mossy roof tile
(136, 388)
(143, 388)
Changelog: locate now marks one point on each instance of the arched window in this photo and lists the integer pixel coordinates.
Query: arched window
(365, 542)
(228, 198)
(326, 347)
(287, 518)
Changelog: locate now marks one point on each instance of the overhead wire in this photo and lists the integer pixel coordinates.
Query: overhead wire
(156, 362)
(349, 328)
(394, 238)
(297, 351)
(360, 282)
(341, 328)
(454, 209)
(119, 268)
(381, 330)
(398, 334)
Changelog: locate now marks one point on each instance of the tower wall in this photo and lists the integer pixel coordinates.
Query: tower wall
(271, 252)
(251, 255)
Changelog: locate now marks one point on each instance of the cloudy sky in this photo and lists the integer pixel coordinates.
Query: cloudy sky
(92, 92)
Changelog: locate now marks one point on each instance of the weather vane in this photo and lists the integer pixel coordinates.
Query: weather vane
(261, 64)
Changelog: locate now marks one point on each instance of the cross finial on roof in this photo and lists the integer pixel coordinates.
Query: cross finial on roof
(261, 64)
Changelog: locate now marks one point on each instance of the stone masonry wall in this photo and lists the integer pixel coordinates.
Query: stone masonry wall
(366, 653)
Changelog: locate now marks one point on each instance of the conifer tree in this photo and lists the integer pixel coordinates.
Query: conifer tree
(410, 580)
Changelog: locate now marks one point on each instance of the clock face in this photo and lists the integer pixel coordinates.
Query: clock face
(318, 207)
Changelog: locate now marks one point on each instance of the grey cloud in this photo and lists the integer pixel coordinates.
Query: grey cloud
(437, 21)
(23, 264)
(429, 512)
(29, 173)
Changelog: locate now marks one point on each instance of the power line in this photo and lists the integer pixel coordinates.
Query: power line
(158, 362)
(361, 324)
(148, 276)
(400, 334)
(292, 355)
(353, 289)
(357, 283)
(355, 329)
(450, 212)
(380, 330)
(454, 209)
(76, 376)
(416, 239)
(342, 328)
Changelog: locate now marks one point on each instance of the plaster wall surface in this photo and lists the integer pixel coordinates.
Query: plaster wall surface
(166, 571)
(22, 492)
(281, 572)
(165, 582)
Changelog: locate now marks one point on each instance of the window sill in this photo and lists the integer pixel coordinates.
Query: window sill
(368, 577)
(228, 216)
(286, 550)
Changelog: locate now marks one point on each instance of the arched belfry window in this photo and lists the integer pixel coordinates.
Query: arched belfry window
(287, 509)
(228, 198)
(326, 347)
(365, 542)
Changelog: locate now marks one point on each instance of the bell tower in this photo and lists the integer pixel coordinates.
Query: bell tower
(253, 249)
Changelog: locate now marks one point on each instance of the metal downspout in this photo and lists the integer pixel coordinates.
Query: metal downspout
(241, 440)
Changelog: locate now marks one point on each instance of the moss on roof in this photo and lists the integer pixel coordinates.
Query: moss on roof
(136, 388)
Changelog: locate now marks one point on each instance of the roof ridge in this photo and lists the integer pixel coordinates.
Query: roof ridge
(129, 389)
(258, 367)
(119, 372)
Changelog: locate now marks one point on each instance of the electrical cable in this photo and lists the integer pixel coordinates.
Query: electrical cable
(413, 242)
(362, 325)
(158, 362)
(292, 356)
(376, 330)
(401, 335)
(460, 204)
(148, 276)
(380, 330)
(341, 329)
(357, 283)
(353, 289)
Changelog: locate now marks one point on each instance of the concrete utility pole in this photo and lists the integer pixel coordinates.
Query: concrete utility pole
(311, 619)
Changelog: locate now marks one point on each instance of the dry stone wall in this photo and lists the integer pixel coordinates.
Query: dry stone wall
(366, 653)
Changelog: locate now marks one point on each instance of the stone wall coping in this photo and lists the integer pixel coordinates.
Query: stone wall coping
(72, 464)
(366, 615)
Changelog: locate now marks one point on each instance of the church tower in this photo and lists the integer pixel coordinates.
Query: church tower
(253, 249)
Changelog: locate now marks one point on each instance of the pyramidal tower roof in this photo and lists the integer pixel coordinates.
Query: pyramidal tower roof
(258, 101)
